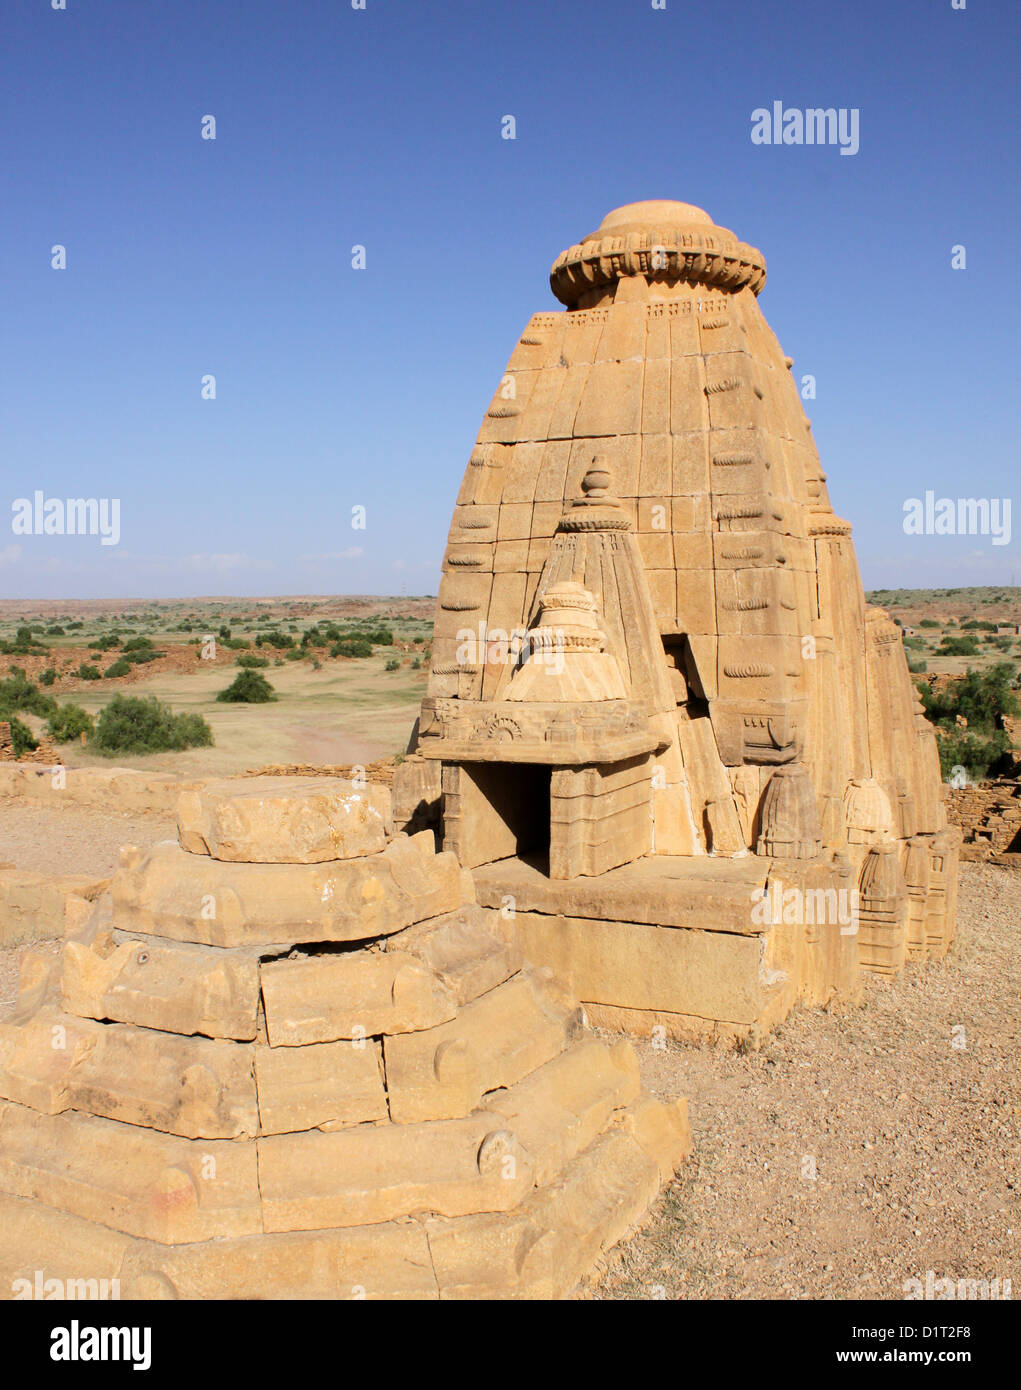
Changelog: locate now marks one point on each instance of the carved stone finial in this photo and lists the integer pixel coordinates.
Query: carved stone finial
(596, 509)
(596, 482)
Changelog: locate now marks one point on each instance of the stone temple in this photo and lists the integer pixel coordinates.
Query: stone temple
(661, 720)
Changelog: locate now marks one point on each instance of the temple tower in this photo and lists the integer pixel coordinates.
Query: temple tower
(647, 444)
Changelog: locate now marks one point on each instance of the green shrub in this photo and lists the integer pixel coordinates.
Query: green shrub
(137, 644)
(248, 687)
(251, 661)
(55, 631)
(18, 693)
(979, 756)
(351, 646)
(88, 673)
(392, 665)
(69, 723)
(918, 666)
(982, 697)
(957, 646)
(21, 737)
(120, 667)
(416, 665)
(295, 654)
(105, 644)
(280, 640)
(928, 622)
(130, 724)
(48, 676)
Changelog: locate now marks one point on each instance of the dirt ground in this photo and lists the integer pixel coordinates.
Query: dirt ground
(855, 1151)
(907, 1111)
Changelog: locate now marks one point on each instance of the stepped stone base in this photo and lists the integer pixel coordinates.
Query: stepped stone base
(542, 1249)
(305, 1077)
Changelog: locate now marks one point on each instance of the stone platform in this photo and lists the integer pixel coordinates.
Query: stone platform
(695, 947)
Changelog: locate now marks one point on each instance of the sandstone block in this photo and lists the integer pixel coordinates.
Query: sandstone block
(174, 987)
(662, 1131)
(375, 1173)
(38, 1055)
(41, 1245)
(33, 906)
(168, 892)
(471, 951)
(324, 1084)
(388, 1261)
(284, 820)
(715, 975)
(506, 1256)
(601, 1197)
(134, 1180)
(561, 1108)
(352, 995)
(188, 1086)
(496, 1041)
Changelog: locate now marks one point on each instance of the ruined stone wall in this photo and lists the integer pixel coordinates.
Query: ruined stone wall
(989, 814)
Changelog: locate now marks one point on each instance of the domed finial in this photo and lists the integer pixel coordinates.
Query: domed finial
(660, 240)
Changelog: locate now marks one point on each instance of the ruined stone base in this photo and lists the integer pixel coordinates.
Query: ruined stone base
(272, 1075)
(540, 1250)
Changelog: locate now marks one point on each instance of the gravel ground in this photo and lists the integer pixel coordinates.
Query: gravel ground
(913, 1140)
(907, 1112)
(72, 838)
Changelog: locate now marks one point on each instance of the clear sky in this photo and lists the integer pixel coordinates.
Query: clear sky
(381, 127)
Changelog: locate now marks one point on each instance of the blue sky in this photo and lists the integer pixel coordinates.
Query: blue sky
(381, 127)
